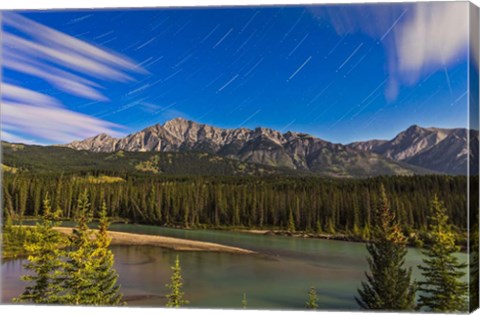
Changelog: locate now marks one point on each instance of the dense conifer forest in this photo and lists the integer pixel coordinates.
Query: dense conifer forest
(311, 204)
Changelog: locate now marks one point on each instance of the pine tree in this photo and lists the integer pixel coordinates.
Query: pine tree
(474, 276)
(291, 222)
(80, 273)
(312, 302)
(108, 292)
(442, 290)
(388, 286)
(244, 301)
(175, 298)
(44, 261)
(318, 227)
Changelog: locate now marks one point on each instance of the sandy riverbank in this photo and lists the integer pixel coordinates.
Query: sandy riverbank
(121, 238)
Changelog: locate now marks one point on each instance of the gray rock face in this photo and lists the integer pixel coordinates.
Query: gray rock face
(437, 149)
(293, 150)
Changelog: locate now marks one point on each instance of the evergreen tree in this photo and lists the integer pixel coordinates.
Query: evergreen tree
(388, 286)
(44, 261)
(312, 302)
(442, 290)
(244, 301)
(474, 275)
(106, 277)
(318, 227)
(291, 222)
(175, 298)
(474, 278)
(80, 273)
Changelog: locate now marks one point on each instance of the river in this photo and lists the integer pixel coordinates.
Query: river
(278, 277)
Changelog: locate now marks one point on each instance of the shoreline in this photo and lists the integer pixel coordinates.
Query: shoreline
(328, 237)
(123, 238)
(334, 237)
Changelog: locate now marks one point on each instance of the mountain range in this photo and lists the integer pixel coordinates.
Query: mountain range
(416, 150)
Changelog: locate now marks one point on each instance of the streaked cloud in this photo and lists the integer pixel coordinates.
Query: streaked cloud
(66, 57)
(60, 79)
(418, 38)
(434, 36)
(52, 123)
(12, 92)
(63, 42)
(69, 65)
(7, 136)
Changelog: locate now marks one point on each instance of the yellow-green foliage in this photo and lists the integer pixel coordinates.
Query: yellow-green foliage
(13, 240)
(115, 156)
(9, 169)
(442, 289)
(44, 261)
(175, 298)
(104, 179)
(149, 166)
(15, 147)
(216, 159)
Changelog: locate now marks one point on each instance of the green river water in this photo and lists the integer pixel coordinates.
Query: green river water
(278, 277)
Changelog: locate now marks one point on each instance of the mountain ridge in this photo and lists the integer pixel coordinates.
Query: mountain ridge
(294, 150)
(438, 149)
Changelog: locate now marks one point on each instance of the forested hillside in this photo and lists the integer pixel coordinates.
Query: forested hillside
(50, 159)
(313, 204)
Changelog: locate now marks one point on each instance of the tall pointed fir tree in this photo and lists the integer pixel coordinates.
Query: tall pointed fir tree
(312, 302)
(108, 292)
(291, 222)
(474, 264)
(80, 273)
(442, 289)
(474, 279)
(388, 285)
(175, 297)
(44, 261)
(244, 301)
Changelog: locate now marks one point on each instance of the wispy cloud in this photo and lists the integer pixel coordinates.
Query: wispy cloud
(60, 79)
(7, 136)
(418, 38)
(17, 93)
(63, 42)
(67, 58)
(434, 36)
(52, 123)
(69, 65)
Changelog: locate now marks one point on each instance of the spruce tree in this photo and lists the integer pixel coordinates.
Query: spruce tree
(80, 273)
(442, 290)
(175, 298)
(312, 302)
(44, 262)
(244, 301)
(291, 222)
(108, 292)
(474, 276)
(388, 285)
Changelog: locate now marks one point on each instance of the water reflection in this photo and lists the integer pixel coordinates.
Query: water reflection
(277, 278)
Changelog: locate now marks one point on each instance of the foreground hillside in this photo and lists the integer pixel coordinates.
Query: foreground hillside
(51, 159)
(45, 159)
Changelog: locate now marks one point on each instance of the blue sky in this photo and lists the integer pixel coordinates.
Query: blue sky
(342, 73)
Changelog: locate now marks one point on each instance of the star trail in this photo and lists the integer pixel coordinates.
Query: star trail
(318, 69)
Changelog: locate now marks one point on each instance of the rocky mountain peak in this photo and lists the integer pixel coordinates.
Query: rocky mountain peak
(438, 149)
(101, 137)
(428, 148)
